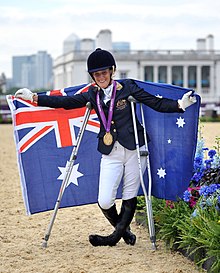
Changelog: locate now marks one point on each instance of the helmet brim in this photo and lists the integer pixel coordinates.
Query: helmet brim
(99, 69)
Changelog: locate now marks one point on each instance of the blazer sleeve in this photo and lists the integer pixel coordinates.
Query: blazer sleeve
(66, 102)
(164, 105)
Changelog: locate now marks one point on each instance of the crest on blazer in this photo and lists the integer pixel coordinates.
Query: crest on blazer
(121, 104)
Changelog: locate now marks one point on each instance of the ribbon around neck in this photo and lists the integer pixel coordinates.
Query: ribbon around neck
(107, 123)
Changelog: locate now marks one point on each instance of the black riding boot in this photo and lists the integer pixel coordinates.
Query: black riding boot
(113, 217)
(128, 236)
(125, 219)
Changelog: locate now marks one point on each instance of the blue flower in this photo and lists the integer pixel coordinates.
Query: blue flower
(198, 162)
(202, 190)
(213, 188)
(198, 159)
(209, 190)
(186, 196)
(199, 148)
(197, 176)
(216, 161)
(211, 153)
(208, 163)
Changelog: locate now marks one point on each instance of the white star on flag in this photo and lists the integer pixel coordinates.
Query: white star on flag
(180, 122)
(161, 172)
(169, 141)
(159, 96)
(73, 176)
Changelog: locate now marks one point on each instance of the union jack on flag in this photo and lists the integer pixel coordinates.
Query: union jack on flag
(45, 138)
(42, 120)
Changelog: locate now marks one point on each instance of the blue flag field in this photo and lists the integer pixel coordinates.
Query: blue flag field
(45, 138)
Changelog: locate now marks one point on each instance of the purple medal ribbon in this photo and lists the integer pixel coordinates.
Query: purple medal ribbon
(107, 124)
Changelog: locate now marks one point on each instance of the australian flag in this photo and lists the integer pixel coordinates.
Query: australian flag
(45, 138)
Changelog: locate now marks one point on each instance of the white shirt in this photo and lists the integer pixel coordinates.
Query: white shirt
(107, 93)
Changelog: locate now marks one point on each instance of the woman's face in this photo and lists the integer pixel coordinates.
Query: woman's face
(102, 78)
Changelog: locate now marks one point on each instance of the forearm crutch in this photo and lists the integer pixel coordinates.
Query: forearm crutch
(69, 169)
(139, 154)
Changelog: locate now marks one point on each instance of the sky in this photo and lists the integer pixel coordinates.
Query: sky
(29, 26)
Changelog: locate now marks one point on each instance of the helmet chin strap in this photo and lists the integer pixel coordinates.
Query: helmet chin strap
(110, 82)
(111, 75)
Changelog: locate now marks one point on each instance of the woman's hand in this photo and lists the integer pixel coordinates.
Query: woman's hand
(26, 94)
(187, 100)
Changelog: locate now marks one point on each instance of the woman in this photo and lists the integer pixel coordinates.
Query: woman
(116, 141)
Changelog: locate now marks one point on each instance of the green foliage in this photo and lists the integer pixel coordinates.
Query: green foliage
(200, 237)
(196, 236)
(217, 145)
(192, 224)
(168, 220)
(141, 205)
(210, 119)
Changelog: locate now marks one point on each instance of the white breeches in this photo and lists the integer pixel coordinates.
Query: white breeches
(120, 164)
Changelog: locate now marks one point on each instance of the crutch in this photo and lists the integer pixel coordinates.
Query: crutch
(139, 154)
(69, 168)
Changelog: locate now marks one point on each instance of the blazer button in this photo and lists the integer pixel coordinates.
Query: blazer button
(114, 130)
(113, 122)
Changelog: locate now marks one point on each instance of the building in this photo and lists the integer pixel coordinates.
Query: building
(34, 71)
(17, 63)
(2, 83)
(198, 69)
(71, 43)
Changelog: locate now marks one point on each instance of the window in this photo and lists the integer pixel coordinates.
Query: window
(192, 76)
(149, 73)
(162, 74)
(206, 76)
(177, 75)
(123, 74)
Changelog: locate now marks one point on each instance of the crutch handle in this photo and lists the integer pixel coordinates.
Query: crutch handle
(132, 99)
(144, 153)
(89, 105)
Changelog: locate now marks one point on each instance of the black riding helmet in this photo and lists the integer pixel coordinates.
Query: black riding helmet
(99, 60)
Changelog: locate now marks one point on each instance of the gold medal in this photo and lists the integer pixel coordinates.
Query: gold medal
(108, 139)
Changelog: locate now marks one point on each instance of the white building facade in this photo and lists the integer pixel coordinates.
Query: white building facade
(197, 69)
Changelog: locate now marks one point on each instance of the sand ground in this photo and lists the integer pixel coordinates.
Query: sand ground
(69, 250)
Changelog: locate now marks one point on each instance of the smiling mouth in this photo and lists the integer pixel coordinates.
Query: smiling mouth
(103, 83)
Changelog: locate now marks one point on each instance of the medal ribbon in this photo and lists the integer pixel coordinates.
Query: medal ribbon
(107, 124)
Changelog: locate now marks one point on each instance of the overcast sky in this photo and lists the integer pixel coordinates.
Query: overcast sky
(27, 26)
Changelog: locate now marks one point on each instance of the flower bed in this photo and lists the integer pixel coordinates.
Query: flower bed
(192, 224)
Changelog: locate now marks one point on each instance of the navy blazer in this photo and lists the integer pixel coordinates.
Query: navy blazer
(122, 128)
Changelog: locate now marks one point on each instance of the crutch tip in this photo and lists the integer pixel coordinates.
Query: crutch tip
(154, 247)
(44, 244)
